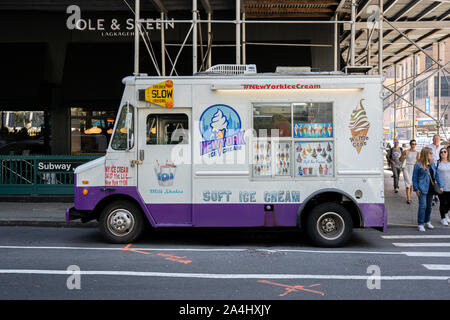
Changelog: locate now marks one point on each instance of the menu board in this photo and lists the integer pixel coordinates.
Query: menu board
(313, 130)
(262, 160)
(283, 159)
(314, 159)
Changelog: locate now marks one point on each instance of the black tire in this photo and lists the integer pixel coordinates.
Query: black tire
(329, 225)
(121, 222)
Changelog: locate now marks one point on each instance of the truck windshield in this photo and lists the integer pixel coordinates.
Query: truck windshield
(123, 138)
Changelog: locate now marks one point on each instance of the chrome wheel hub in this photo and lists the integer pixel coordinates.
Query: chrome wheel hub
(120, 222)
(330, 225)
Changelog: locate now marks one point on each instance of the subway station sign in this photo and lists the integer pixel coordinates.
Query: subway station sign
(160, 94)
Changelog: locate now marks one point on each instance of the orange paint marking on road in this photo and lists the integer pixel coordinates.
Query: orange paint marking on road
(290, 289)
(127, 248)
(172, 257)
(166, 256)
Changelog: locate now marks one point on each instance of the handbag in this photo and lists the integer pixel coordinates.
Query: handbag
(436, 187)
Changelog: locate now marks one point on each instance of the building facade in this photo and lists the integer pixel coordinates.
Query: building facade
(63, 64)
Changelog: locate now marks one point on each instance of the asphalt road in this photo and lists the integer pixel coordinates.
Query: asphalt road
(75, 263)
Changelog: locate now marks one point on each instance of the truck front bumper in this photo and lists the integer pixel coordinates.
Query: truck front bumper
(74, 214)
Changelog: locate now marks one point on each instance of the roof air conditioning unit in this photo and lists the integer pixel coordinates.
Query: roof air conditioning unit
(293, 70)
(233, 69)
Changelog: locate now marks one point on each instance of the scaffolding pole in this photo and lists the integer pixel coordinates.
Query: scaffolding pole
(414, 97)
(380, 39)
(194, 37)
(352, 37)
(136, 37)
(395, 102)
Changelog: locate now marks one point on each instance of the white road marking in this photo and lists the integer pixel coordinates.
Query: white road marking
(407, 253)
(417, 237)
(222, 276)
(205, 250)
(437, 266)
(428, 254)
(422, 244)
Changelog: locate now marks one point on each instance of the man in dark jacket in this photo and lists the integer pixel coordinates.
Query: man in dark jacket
(393, 158)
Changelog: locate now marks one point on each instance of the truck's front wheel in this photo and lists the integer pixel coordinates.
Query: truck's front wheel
(329, 225)
(121, 222)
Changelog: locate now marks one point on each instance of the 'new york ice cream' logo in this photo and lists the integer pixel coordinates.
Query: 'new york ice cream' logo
(359, 126)
(220, 127)
(165, 173)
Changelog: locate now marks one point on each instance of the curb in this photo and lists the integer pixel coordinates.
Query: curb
(57, 224)
(93, 224)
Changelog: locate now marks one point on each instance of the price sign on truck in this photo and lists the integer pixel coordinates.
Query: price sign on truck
(160, 94)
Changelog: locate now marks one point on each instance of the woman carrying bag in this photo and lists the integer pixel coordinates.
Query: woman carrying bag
(443, 169)
(426, 184)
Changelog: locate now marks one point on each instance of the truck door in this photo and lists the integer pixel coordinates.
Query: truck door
(165, 174)
(120, 170)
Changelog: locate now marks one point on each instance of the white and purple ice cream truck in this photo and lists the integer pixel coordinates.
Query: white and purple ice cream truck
(247, 150)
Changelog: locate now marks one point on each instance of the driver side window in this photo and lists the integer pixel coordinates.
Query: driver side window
(167, 129)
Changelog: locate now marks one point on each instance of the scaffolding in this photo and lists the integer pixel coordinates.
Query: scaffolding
(372, 35)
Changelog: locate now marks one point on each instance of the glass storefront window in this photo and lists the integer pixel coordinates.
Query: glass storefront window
(22, 133)
(91, 130)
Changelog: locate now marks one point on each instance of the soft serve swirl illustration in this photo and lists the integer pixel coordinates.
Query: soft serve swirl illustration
(359, 126)
(220, 127)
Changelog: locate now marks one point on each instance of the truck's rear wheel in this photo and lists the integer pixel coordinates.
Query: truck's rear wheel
(329, 225)
(121, 222)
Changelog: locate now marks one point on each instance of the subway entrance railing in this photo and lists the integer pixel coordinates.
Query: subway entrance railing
(35, 175)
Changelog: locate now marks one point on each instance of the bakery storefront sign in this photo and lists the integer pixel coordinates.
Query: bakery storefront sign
(111, 26)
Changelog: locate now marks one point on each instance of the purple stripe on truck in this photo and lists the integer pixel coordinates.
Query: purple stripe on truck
(217, 215)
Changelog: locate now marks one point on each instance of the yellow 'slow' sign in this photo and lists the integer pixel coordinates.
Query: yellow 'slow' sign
(160, 94)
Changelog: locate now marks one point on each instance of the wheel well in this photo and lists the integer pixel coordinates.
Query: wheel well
(115, 197)
(335, 197)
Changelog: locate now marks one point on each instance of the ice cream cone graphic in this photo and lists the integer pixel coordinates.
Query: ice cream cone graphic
(220, 134)
(219, 124)
(359, 126)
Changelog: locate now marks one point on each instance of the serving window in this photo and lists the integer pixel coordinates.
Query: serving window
(293, 140)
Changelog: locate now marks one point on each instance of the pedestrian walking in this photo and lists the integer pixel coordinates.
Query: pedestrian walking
(436, 148)
(425, 175)
(393, 158)
(443, 169)
(410, 157)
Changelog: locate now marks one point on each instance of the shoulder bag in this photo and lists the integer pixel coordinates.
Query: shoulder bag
(436, 187)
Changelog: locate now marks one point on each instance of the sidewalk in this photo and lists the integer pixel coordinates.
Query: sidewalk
(399, 212)
(53, 213)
